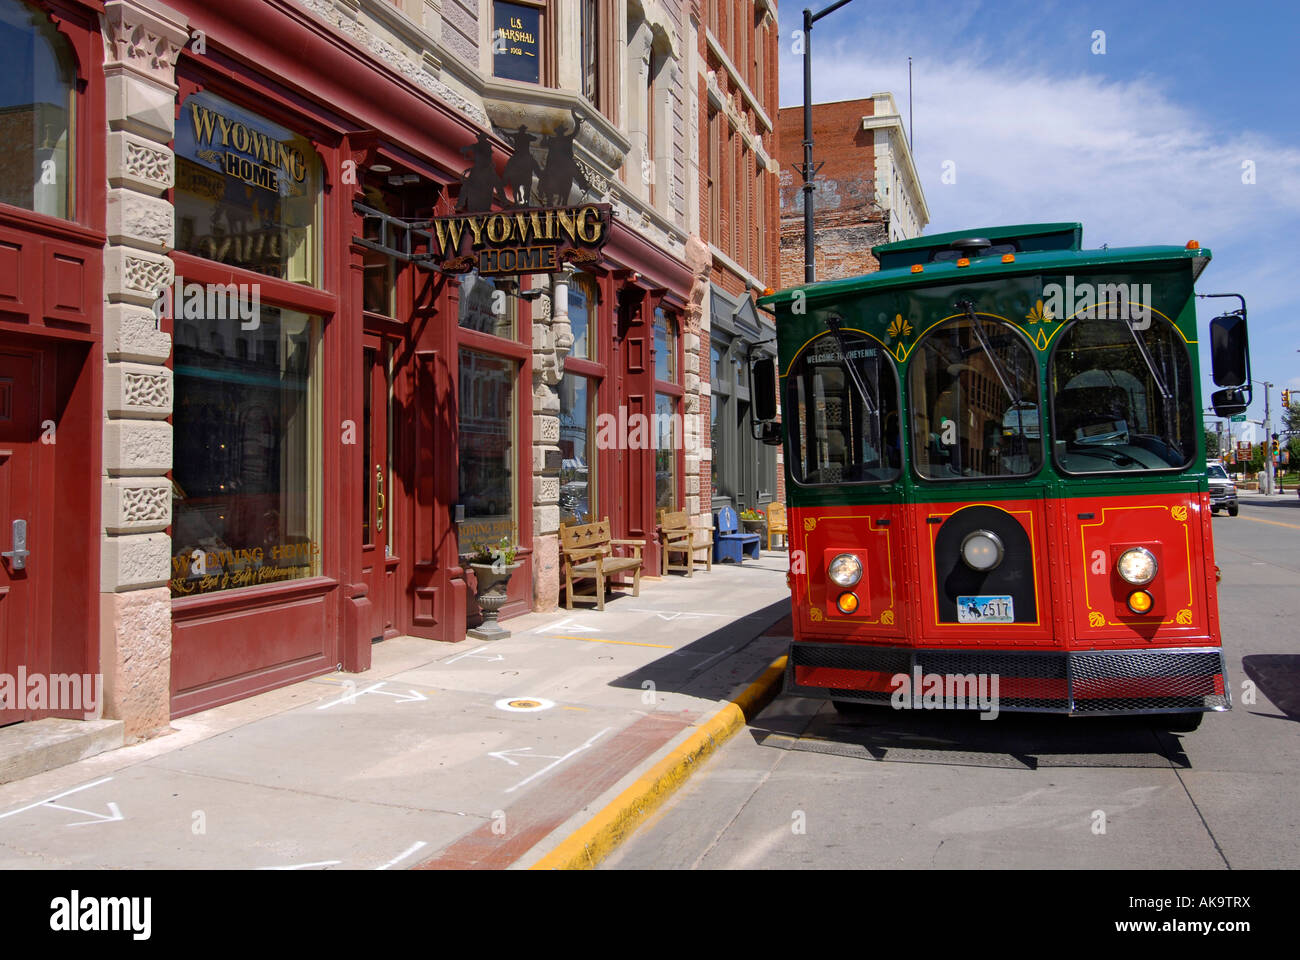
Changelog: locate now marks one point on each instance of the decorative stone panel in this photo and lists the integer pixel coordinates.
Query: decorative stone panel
(140, 221)
(140, 106)
(139, 164)
(137, 447)
(546, 429)
(135, 276)
(546, 490)
(134, 561)
(137, 390)
(144, 36)
(132, 505)
(131, 333)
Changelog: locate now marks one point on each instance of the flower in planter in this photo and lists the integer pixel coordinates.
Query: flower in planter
(752, 515)
(499, 555)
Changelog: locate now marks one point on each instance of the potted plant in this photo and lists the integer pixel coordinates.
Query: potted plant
(492, 564)
(753, 521)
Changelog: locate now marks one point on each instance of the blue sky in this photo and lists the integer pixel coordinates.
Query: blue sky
(1143, 144)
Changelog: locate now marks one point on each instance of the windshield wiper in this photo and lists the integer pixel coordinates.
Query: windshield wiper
(1150, 362)
(969, 308)
(833, 322)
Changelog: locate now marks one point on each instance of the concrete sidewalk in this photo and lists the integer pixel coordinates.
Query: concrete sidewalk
(470, 755)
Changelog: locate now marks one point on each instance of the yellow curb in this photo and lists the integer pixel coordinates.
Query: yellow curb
(598, 837)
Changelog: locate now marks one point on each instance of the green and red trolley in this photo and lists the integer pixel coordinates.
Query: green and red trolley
(995, 467)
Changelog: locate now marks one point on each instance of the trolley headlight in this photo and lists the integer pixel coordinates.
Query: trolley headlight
(845, 570)
(1137, 566)
(981, 550)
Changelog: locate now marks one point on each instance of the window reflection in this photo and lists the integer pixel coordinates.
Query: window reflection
(36, 112)
(1111, 409)
(577, 482)
(486, 432)
(975, 411)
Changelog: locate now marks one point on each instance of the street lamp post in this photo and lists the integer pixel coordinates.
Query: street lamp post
(1268, 438)
(809, 171)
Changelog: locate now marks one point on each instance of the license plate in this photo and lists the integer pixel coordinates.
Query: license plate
(985, 610)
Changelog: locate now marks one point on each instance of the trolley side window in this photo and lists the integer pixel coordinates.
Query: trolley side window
(975, 405)
(836, 435)
(1121, 398)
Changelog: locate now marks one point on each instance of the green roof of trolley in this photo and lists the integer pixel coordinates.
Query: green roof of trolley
(1042, 247)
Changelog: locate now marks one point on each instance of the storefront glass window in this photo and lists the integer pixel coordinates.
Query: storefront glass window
(665, 347)
(247, 191)
(487, 453)
(582, 302)
(36, 112)
(487, 305)
(577, 466)
(246, 480)
(667, 432)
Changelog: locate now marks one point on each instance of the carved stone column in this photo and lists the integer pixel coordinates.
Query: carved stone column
(547, 370)
(142, 40)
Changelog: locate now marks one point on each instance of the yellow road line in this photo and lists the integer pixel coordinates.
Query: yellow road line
(597, 838)
(1276, 523)
(623, 643)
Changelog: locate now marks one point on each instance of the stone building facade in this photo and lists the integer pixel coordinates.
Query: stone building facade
(267, 495)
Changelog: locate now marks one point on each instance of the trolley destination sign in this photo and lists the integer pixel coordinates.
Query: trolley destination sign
(532, 240)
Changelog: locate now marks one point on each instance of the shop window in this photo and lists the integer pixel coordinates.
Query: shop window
(667, 433)
(487, 448)
(377, 284)
(246, 476)
(248, 191)
(487, 305)
(517, 41)
(37, 113)
(665, 347)
(582, 306)
(577, 465)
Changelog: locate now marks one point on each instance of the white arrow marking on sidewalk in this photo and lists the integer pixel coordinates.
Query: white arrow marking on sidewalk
(374, 688)
(473, 654)
(567, 625)
(117, 815)
(403, 855)
(98, 817)
(559, 760)
(304, 866)
(522, 751)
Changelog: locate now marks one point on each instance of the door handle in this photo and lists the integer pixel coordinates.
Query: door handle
(19, 553)
(379, 498)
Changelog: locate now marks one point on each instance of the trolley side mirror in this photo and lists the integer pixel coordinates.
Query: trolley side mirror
(1229, 351)
(1229, 403)
(763, 372)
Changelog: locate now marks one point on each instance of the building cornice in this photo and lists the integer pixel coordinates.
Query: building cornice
(892, 124)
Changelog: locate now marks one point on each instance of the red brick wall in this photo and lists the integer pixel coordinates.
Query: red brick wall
(846, 221)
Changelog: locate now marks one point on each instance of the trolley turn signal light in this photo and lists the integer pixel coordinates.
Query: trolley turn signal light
(1139, 601)
(848, 602)
(963, 261)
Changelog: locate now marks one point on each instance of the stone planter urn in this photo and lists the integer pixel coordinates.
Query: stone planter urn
(491, 596)
(758, 526)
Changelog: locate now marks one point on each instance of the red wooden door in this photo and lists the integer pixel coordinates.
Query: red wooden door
(379, 560)
(26, 384)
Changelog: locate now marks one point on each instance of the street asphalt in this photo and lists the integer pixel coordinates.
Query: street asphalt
(806, 787)
(468, 755)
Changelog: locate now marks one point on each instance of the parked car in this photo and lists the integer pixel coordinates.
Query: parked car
(1223, 492)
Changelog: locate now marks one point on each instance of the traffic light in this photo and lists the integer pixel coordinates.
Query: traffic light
(1286, 399)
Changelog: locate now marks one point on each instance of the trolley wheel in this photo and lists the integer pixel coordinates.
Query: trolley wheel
(1181, 722)
(1232, 510)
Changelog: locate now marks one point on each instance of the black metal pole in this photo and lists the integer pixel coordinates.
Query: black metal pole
(809, 18)
(809, 268)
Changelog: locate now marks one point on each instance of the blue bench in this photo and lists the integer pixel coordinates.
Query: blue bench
(729, 543)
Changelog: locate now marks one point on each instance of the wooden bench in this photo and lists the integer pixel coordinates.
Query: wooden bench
(730, 543)
(776, 525)
(676, 535)
(587, 552)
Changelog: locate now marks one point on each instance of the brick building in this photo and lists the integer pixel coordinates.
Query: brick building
(737, 217)
(867, 192)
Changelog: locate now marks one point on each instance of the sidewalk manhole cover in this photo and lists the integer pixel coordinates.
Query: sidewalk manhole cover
(524, 704)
